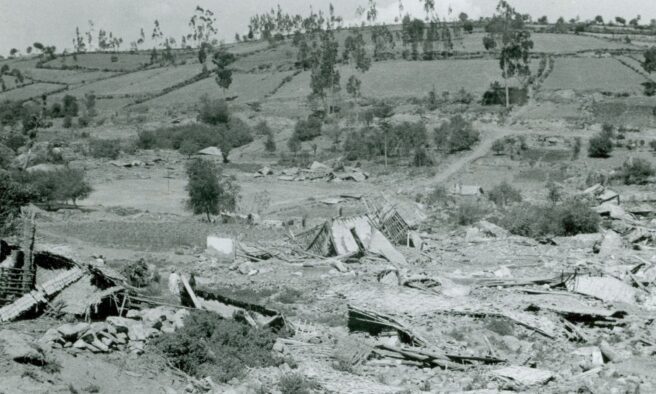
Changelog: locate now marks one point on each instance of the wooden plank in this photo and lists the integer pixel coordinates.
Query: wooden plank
(191, 293)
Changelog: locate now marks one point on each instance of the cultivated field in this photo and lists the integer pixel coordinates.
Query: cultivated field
(591, 74)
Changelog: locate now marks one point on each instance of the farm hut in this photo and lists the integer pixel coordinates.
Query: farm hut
(467, 190)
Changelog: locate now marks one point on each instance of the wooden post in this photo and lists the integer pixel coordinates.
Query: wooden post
(27, 246)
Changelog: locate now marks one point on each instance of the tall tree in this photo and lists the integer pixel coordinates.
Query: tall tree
(222, 59)
(508, 32)
(202, 25)
(209, 191)
(324, 76)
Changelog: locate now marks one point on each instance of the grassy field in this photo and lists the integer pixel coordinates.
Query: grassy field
(102, 61)
(588, 74)
(410, 79)
(72, 77)
(248, 87)
(29, 91)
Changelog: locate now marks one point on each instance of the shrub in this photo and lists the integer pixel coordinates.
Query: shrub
(421, 158)
(306, 130)
(68, 122)
(270, 143)
(13, 195)
(468, 213)
(576, 149)
(295, 383)
(652, 145)
(504, 194)
(15, 141)
(600, 146)
(104, 149)
(56, 110)
(213, 112)
(456, 135)
(569, 218)
(554, 194)
(637, 172)
(437, 196)
(70, 105)
(499, 146)
(262, 128)
(83, 121)
(189, 148)
(208, 345)
(294, 144)
(140, 275)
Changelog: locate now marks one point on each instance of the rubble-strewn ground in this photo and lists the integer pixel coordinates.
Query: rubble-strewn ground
(474, 309)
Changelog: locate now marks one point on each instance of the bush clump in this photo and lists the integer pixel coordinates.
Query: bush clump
(295, 383)
(208, 345)
(504, 194)
(104, 149)
(306, 130)
(566, 219)
(469, 212)
(213, 112)
(601, 145)
(226, 137)
(637, 172)
(456, 135)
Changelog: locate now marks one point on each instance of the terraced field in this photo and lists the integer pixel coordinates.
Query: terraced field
(589, 74)
(140, 82)
(103, 61)
(71, 77)
(29, 91)
(247, 87)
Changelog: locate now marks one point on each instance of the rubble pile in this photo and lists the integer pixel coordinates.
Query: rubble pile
(317, 171)
(117, 333)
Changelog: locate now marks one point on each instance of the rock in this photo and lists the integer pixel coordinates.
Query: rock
(133, 314)
(245, 268)
(73, 331)
(492, 230)
(513, 344)
(592, 354)
(52, 336)
(503, 272)
(137, 332)
(339, 266)
(121, 324)
(279, 347)
(524, 375)
(21, 348)
(178, 318)
(611, 245)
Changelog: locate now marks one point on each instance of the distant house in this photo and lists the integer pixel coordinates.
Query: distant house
(466, 190)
